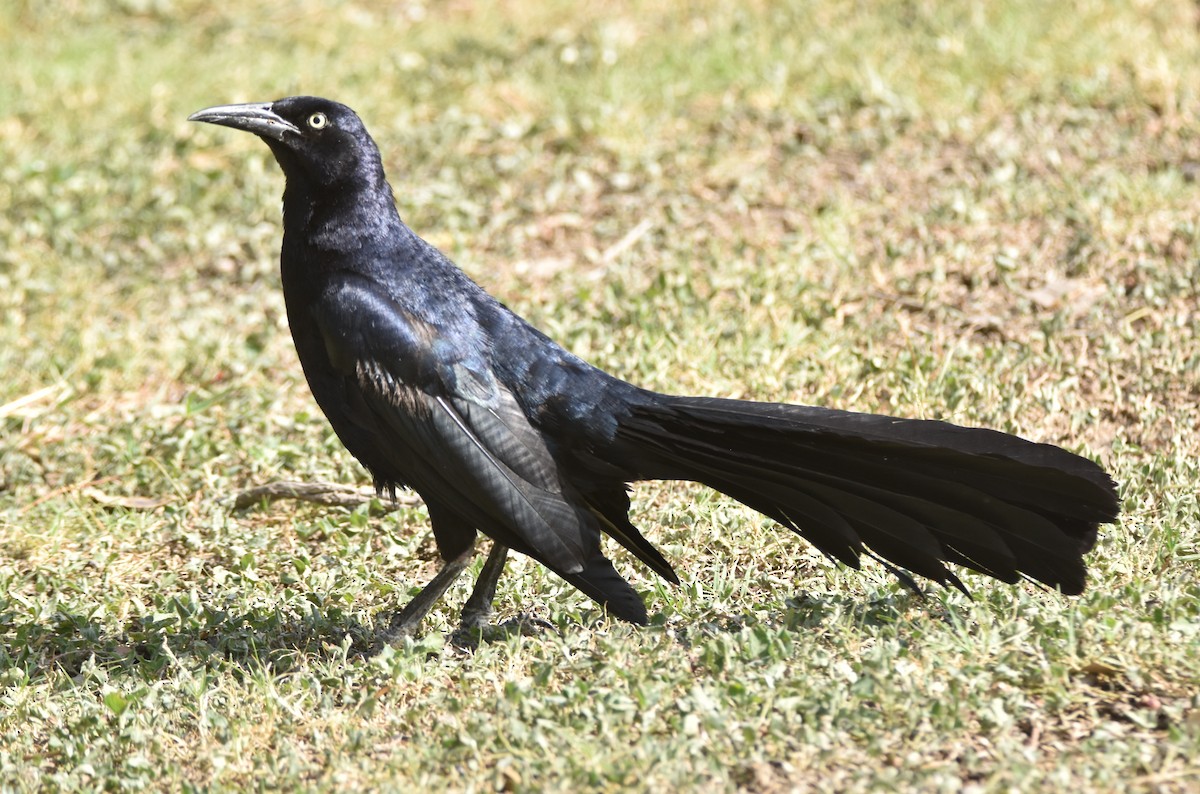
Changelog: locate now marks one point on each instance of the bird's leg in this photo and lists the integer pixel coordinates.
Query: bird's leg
(405, 622)
(475, 626)
(478, 609)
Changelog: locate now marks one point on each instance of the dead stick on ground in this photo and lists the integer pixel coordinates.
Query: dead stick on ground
(322, 493)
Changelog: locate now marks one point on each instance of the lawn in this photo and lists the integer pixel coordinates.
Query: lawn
(982, 212)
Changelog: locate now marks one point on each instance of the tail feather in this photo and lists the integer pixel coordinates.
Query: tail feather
(612, 510)
(600, 581)
(1070, 483)
(825, 528)
(916, 493)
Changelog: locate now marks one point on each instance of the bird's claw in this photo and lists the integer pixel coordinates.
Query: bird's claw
(396, 630)
(475, 629)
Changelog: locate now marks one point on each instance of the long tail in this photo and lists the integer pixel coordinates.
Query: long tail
(914, 493)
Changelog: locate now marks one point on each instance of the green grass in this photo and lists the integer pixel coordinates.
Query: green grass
(981, 212)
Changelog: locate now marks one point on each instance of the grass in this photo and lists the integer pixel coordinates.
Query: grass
(982, 212)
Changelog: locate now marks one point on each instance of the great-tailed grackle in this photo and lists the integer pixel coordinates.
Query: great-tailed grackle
(433, 384)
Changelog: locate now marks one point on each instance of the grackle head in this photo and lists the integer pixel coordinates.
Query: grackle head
(318, 141)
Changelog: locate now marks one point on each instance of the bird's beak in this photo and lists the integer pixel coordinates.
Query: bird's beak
(256, 117)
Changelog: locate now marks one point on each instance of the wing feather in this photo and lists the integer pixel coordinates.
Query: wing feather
(447, 427)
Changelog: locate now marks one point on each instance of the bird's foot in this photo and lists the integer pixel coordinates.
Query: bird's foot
(476, 629)
(397, 629)
(405, 622)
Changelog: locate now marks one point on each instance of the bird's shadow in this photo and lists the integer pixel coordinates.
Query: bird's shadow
(805, 612)
(255, 640)
(258, 639)
(808, 611)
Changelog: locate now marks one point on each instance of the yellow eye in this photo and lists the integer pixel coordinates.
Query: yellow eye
(318, 121)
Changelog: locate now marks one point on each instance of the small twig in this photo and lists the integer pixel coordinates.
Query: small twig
(322, 493)
(18, 406)
(82, 482)
(628, 241)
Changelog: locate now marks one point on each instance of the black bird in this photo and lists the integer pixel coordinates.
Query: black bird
(435, 385)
